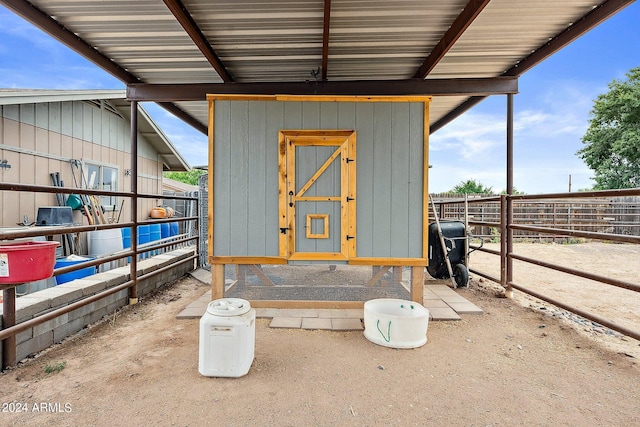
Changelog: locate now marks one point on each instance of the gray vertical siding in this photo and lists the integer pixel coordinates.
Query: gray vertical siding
(389, 173)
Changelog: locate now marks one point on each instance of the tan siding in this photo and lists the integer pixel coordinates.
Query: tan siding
(55, 117)
(26, 169)
(26, 137)
(28, 114)
(41, 140)
(66, 119)
(124, 159)
(10, 206)
(87, 122)
(87, 149)
(43, 170)
(113, 159)
(104, 153)
(11, 132)
(11, 112)
(55, 144)
(69, 149)
(42, 116)
(69, 131)
(78, 120)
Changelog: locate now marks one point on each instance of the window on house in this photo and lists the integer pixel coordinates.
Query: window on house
(100, 177)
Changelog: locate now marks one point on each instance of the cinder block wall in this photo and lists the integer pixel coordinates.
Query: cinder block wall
(53, 331)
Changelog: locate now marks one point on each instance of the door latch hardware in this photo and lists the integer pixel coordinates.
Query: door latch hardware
(290, 199)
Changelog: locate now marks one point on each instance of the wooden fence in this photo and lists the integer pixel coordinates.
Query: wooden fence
(611, 215)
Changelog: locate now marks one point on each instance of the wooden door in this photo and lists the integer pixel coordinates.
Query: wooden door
(317, 195)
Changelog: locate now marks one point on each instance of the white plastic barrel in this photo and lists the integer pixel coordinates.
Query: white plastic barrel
(395, 323)
(104, 243)
(227, 338)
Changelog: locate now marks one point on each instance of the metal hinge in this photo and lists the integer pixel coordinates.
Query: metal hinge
(350, 199)
(283, 230)
(348, 160)
(350, 237)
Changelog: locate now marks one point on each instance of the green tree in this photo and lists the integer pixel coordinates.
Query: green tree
(612, 141)
(471, 186)
(515, 191)
(189, 177)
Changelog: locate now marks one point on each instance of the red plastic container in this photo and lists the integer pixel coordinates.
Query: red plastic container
(26, 261)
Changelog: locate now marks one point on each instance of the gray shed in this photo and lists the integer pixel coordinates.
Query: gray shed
(307, 180)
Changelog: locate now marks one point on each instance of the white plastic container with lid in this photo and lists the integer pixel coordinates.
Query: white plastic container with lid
(227, 338)
(395, 323)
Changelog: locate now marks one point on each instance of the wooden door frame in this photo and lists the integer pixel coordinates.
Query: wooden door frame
(345, 140)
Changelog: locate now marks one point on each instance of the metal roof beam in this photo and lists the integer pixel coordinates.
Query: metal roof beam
(52, 27)
(325, 38)
(459, 26)
(599, 14)
(592, 19)
(181, 14)
(455, 113)
(429, 87)
(182, 115)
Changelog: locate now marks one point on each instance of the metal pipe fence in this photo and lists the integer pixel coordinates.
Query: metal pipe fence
(10, 329)
(611, 212)
(587, 216)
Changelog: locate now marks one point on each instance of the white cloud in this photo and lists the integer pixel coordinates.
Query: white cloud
(548, 127)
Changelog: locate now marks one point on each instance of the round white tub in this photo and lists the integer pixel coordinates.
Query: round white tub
(395, 323)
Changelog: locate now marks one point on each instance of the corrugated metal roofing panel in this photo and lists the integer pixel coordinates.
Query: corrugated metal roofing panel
(142, 36)
(385, 40)
(261, 40)
(282, 41)
(507, 31)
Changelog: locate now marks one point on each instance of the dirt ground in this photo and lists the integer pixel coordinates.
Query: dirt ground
(520, 363)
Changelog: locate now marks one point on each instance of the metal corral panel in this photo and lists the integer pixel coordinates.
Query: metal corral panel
(389, 171)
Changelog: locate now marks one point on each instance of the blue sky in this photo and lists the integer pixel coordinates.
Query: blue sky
(551, 111)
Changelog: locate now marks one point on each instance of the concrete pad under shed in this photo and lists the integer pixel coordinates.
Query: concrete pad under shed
(346, 324)
(315, 323)
(443, 303)
(286, 322)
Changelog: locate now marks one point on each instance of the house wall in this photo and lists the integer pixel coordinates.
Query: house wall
(390, 138)
(38, 139)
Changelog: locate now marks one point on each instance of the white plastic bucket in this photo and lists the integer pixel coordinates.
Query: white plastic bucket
(395, 323)
(104, 242)
(227, 338)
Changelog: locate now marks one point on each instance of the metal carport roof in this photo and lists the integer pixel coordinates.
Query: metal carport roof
(174, 52)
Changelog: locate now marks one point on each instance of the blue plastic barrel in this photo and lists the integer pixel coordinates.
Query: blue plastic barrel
(73, 275)
(164, 230)
(173, 229)
(126, 237)
(155, 234)
(144, 236)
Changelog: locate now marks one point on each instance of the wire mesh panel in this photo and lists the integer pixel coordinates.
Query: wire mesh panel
(203, 203)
